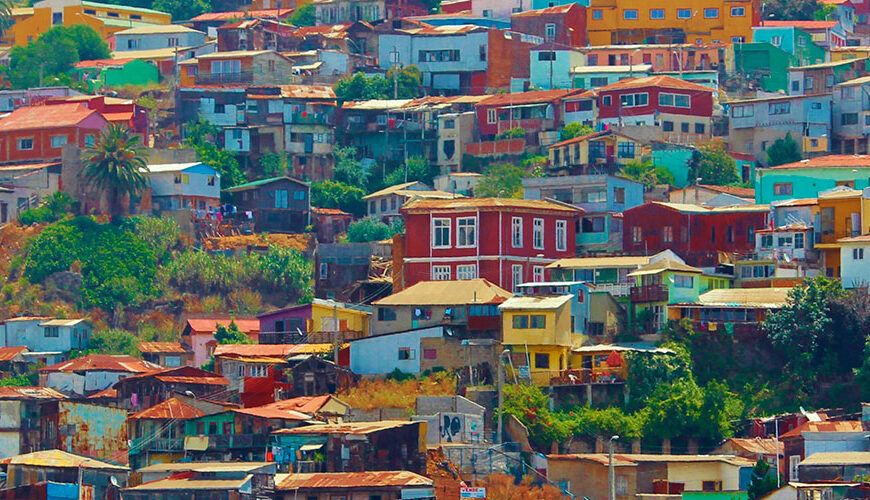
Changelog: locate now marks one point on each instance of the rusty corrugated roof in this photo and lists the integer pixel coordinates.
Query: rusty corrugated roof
(829, 426)
(453, 292)
(470, 204)
(30, 393)
(357, 428)
(182, 374)
(764, 446)
(103, 362)
(34, 117)
(209, 325)
(335, 480)
(307, 92)
(171, 408)
(9, 353)
(162, 347)
(59, 459)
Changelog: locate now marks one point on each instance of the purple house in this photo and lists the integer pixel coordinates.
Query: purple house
(314, 322)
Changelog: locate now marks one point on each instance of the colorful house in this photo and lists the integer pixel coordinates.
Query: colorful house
(385, 203)
(92, 373)
(317, 321)
(851, 116)
(828, 34)
(47, 334)
(539, 113)
(551, 66)
(199, 332)
(597, 76)
(840, 217)
(25, 135)
(505, 241)
(253, 67)
(538, 328)
(854, 271)
(807, 178)
(168, 354)
(660, 283)
(663, 57)
(604, 152)
(762, 62)
(564, 25)
(185, 186)
(793, 40)
(604, 363)
(157, 434)
(279, 204)
(820, 78)
(158, 37)
(733, 311)
(103, 73)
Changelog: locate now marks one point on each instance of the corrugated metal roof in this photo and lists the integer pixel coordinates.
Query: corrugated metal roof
(182, 374)
(269, 350)
(29, 393)
(663, 265)
(765, 446)
(595, 262)
(108, 393)
(393, 189)
(260, 182)
(104, 362)
(274, 411)
(771, 298)
(171, 167)
(34, 117)
(64, 322)
(209, 325)
(529, 302)
(27, 166)
(9, 353)
(471, 204)
(223, 16)
(557, 9)
(192, 483)
(307, 92)
(173, 408)
(838, 458)
(475, 291)
(162, 347)
(158, 29)
(205, 467)
(338, 480)
(60, 459)
(307, 404)
(375, 104)
(828, 426)
(531, 97)
(621, 348)
(357, 428)
(633, 459)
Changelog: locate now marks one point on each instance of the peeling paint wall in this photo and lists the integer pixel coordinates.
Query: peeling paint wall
(96, 431)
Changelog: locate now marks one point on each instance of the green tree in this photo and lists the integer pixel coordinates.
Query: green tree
(783, 151)
(273, 164)
(231, 335)
(574, 129)
(303, 16)
(118, 270)
(650, 371)
(6, 7)
(418, 169)
(53, 54)
(825, 12)
(713, 165)
(116, 165)
(719, 409)
(369, 229)
(358, 87)
(161, 234)
(762, 481)
(113, 341)
(334, 194)
(202, 137)
(791, 10)
(182, 10)
(647, 174)
(501, 180)
(89, 44)
(348, 169)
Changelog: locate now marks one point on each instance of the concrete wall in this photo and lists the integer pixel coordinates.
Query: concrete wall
(379, 355)
(452, 428)
(854, 272)
(158, 40)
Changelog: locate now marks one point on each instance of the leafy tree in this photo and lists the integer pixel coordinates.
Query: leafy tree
(824, 12)
(647, 174)
(650, 371)
(202, 136)
(53, 54)
(161, 234)
(113, 341)
(118, 270)
(53, 208)
(89, 44)
(334, 194)
(419, 169)
(719, 409)
(762, 481)
(511, 133)
(711, 163)
(116, 165)
(783, 151)
(287, 272)
(231, 335)
(303, 16)
(791, 10)
(348, 169)
(273, 164)
(182, 9)
(574, 129)
(359, 87)
(501, 180)
(6, 7)
(370, 229)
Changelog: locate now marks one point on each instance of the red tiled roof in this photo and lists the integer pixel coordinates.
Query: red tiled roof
(101, 63)
(464, 204)
(827, 161)
(171, 408)
(209, 325)
(237, 14)
(765, 446)
(9, 353)
(809, 25)
(30, 393)
(829, 426)
(341, 480)
(733, 190)
(103, 362)
(532, 97)
(267, 350)
(162, 347)
(663, 81)
(36, 117)
(558, 9)
(303, 404)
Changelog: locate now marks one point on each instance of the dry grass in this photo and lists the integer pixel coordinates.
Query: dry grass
(295, 241)
(371, 394)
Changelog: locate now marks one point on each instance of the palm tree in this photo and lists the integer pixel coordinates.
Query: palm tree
(6, 7)
(116, 164)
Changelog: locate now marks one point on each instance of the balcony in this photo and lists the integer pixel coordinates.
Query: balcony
(167, 445)
(615, 289)
(213, 78)
(581, 376)
(231, 441)
(309, 119)
(649, 293)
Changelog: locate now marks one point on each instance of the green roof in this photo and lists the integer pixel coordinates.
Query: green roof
(121, 7)
(260, 182)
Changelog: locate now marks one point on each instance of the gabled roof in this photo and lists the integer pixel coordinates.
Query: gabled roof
(475, 291)
(733, 190)
(827, 161)
(698, 209)
(246, 325)
(826, 426)
(173, 167)
(761, 446)
(471, 204)
(162, 347)
(122, 8)
(663, 81)
(35, 117)
(172, 408)
(307, 404)
(531, 97)
(20, 393)
(838, 458)
(9, 353)
(276, 411)
(57, 459)
(269, 350)
(445, 30)
(769, 298)
(103, 363)
(261, 182)
(336, 481)
(181, 375)
(558, 9)
(226, 16)
(663, 265)
(396, 187)
(101, 63)
(186, 482)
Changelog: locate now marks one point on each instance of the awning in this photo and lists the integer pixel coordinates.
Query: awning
(311, 447)
(196, 443)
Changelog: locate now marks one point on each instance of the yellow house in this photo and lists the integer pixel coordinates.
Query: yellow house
(849, 53)
(844, 214)
(615, 22)
(352, 318)
(539, 328)
(105, 19)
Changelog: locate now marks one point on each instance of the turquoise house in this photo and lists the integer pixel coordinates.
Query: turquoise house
(550, 66)
(806, 178)
(675, 158)
(115, 73)
(795, 41)
(764, 61)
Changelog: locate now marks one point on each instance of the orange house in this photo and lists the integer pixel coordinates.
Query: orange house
(843, 212)
(38, 133)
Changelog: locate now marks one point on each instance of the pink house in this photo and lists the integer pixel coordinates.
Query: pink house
(198, 334)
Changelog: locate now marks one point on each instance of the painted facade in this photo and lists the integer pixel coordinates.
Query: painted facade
(45, 334)
(539, 328)
(185, 186)
(807, 178)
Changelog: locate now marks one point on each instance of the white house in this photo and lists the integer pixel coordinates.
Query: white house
(45, 334)
(92, 373)
(855, 261)
(386, 203)
(382, 354)
(185, 186)
(158, 37)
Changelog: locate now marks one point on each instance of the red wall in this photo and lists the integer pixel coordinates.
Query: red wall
(507, 58)
(42, 149)
(701, 103)
(574, 18)
(698, 247)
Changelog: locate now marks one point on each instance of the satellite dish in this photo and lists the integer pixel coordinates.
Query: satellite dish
(114, 482)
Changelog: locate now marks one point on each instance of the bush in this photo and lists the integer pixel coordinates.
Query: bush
(38, 215)
(371, 229)
(512, 133)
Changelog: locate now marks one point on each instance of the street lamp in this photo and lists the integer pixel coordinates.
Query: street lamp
(611, 472)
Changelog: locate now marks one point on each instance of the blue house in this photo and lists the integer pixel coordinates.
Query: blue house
(46, 334)
(807, 178)
(550, 66)
(603, 197)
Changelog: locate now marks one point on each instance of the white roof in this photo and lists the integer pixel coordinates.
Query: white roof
(171, 167)
(538, 303)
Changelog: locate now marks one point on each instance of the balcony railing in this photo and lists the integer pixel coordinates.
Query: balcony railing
(615, 289)
(228, 441)
(159, 444)
(601, 375)
(210, 78)
(649, 293)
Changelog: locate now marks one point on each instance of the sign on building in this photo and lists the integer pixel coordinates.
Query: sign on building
(466, 492)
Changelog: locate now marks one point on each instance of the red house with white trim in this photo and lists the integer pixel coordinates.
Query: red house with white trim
(695, 233)
(506, 241)
(38, 133)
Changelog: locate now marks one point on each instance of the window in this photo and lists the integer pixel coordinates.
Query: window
(711, 13)
(742, 111)
(684, 127)
(324, 270)
(849, 118)
(90, 140)
(809, 82)
(538, 234)
(625, 149)
(592, 224)
(547, 55)
(173, 42)
(683, 281)
(466, 229)
(847, 92)
(699, 128)
(537, 321)
(738, 11)
(466, 272)
(711, 486)
(210, 180)
(767, 241)
(550, 32)
(657, 13)
(668, 234)
(491, 115)
(538, 274)
(481, 52)
(597, 14)
(782, 188)
(632, 100)
(440, 233)
(57, 18)
(729, 234)
(668, 126)
(52, 331)
(516, 276)
(281, 198)
(57, 141)
(542, 360)
(684, 13)
(406, 353)
(440, 273)
(520, 321)
(799, 240)
(738, 39)
(857, 254)
(636, 234)
(605, 100)
(450, 55)
(629, 14)
(619, 195)
(561, 235)
(383, 205)
(450, 123)
(132, 43)
(386, 314)
(25, 144)
(517, 232)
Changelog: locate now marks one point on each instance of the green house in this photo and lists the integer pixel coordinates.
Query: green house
(114, 73)
(764, 61)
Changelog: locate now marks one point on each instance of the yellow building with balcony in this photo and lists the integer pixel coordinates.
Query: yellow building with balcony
(105, 19)
(540, 329)
(615, 22)
(843, 213)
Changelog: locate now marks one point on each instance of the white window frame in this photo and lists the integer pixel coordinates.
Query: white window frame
(462, 232)
(740, 11)
(550, 32)
(436, 227)
(18, 143)
(516, 277)
(538, 234)
(441, 273)
(466, 272)
(561, 235)
(538, 274)
(57, 141)
(517, 232)
(491, 116)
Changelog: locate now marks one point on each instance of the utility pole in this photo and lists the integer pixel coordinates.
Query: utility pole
(499, 366)
(394, 55)
(611, 471)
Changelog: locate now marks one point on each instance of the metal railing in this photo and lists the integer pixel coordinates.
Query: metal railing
(649, 293)
(240, 77)
(615, 289)
(159, 444)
